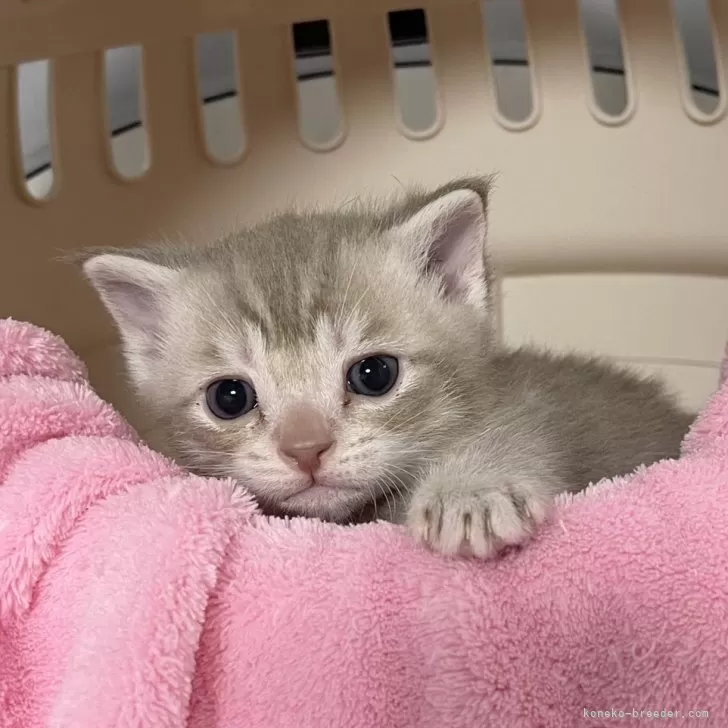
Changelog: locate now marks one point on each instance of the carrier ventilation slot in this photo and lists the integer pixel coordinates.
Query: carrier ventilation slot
(125, 112)
(607, 64)
(512, 74)
(694, 25)
(35, 128)
(319, 108)
(414, 77)
(218, 93)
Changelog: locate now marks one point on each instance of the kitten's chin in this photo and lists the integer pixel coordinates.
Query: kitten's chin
(325, 502)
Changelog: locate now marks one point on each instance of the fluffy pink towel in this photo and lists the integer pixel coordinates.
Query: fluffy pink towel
(134, 594)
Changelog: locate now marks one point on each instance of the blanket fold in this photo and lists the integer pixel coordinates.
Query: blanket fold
(135, 594)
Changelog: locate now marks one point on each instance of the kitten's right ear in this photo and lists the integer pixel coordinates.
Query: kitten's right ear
(134, 292)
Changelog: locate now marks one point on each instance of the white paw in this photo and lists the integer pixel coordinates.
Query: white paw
(476, 521)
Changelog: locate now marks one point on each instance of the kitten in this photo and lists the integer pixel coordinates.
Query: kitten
(342, 365)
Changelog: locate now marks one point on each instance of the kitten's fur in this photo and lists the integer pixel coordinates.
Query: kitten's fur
(473, 442)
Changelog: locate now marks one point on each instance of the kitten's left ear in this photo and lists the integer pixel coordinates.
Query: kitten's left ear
(447, 231)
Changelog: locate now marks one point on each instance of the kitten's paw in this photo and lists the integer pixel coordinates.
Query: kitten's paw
(477, 521)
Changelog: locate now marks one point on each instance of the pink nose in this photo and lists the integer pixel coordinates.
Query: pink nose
(307, 459)
(303, 438)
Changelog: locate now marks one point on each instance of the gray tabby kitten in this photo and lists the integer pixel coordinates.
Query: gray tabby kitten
(342, 365)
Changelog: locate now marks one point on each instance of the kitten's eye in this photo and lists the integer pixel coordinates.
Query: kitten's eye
(229, 399)
(373, 376)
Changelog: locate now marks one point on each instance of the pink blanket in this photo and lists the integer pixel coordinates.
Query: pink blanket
(134, 594)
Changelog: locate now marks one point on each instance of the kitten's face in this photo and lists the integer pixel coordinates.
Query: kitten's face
(251, 353)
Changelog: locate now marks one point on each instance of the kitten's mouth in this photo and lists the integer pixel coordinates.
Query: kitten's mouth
(323, 500)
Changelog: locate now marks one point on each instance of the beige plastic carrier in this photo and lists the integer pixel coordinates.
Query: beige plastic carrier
(610, 233)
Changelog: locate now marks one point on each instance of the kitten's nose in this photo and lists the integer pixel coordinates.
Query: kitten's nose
(303, 437)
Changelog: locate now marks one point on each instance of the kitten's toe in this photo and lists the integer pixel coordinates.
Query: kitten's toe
(509, 522)
(464, 531)
(475, 523)
(425, 520)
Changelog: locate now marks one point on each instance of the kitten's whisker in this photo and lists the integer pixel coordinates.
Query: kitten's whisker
(392, 481)
(350, 201)
(355, 308)
(398, 428)
(340, 311)
(408, 473)
(406, 487)
(372, 498)
(385, 493)
(398, 181)
(185, 451)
